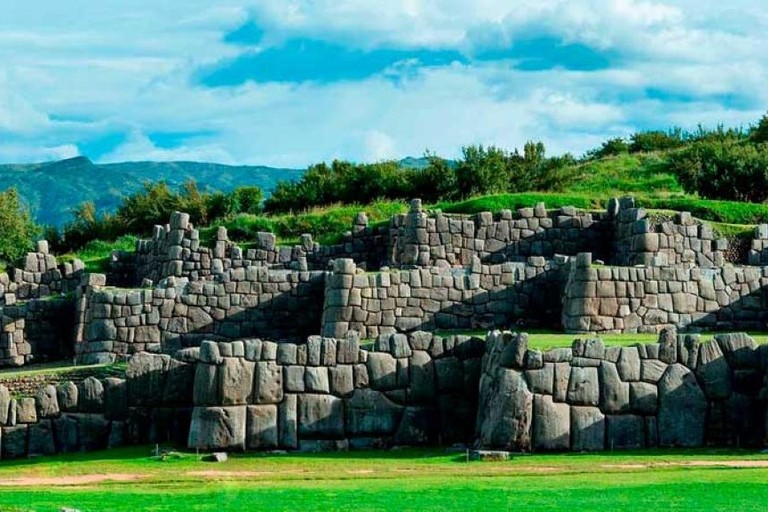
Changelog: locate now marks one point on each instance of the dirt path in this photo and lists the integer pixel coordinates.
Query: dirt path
(71, 480)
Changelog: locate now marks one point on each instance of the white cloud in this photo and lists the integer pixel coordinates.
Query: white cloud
(74, 71)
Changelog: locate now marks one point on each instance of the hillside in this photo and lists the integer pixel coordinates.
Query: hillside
(51, 189)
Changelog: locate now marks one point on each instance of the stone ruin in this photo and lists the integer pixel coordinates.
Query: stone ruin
(315, 347)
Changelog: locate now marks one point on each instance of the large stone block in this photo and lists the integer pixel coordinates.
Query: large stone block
(625, 431)
(587, 429)
(422, 378)
(261, 427)
(551, 424)
(206, 385)
(583, 386)
(288, 421)
(218, 428)
(713, 371)
(66, 393)
(90, 395)
(629, 364)
(505, 411)
(41, 439)
(14, 441)
(47, 402)
(320, 416)
(369, 413)
(382, 371)
(268, 383)
(682, 408)
(614, 394)
(235, 376)
(643, 397)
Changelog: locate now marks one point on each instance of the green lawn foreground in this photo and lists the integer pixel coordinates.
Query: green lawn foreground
(426, 479)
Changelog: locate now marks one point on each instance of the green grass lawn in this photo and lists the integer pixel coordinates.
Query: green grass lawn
(426, 479)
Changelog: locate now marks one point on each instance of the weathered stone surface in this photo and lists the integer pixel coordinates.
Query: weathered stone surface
(643, 397)
(287, 413)
(316, 379)
(206, 385)
(371, 413)
(115, 398)
(513, 355)
(583, 386)
(629, 364)
(261, 427)
(651, 370)
(682, 408)
(587, 429)
(268, 383)
(422, 378)
(47, 402)
(146, 377)
(668, 345)
(91, 395)
(505, 411)
(341, 379)
(739, 349)
(382, 371)
(541, 380)
(418, 426)
(5, 403)
(713, 371)
(624, 431)
(551, 424)
(218, 428)
(14, 441)
(235, 376)
(41, 439)
(67, 392)
(25, 410)
(614, 394)
(320, 416)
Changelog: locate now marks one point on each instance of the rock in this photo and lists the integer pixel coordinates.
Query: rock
(217, 428)
(489, 455)
(643, 397)
(418, 426)
(206, 385)
(26, 411)
(682, 408)
(629, 364)
(288, 422)
(215, 457)
(268, 384)
(66, 392)
(146, 378)
(316, 379)
(422, 383)
(583, 386)
(513, 355)
(41, 439)
(93, 431)
(371, 413)
(90, 395)
(668, 345)
(624, 432)
(115, 398)
(448, 373)
(587, 429)
(541, 380)
(651, 370)
(551, 424)
(5, 403)
(180, 378)
(320, 416)
(47, 402)
(67, 438)
(14, 443)
(382, 368)
(614, 394)
(505, 411)
(739, 349)
(235, 376)
(713, 371)
(261, 427)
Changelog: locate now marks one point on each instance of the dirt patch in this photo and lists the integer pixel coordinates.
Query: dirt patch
(70, 480)
(693, 463)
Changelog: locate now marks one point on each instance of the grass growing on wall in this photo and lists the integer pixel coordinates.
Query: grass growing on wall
(96, 253)
(410, 479)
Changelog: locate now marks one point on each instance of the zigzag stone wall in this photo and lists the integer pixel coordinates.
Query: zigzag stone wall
(679, 392)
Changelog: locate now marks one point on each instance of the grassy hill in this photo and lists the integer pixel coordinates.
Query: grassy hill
(52, 189)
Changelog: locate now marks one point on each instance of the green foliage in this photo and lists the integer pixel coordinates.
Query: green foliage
(611, 147)
(759, 133)
(17, 230)
(96, 253)
(723, 170)
(656, 140)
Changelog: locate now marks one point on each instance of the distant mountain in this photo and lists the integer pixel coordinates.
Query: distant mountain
(51, 189)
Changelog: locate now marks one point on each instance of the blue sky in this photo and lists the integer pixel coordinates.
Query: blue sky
(291, 82)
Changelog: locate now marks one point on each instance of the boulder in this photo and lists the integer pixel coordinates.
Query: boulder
(587, 429)
(682, 408)
(66, 393)
(217, 428)
(26, 411)
(91, 395)
(513, 355)
(505, 411)
(551, 424)
(668, 345)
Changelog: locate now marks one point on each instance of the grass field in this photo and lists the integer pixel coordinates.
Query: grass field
(129, 479)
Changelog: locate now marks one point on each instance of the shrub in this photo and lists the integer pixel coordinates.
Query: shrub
(611, 147)
(759, 133)
(723, 170)
(656, 141)
(17, 230)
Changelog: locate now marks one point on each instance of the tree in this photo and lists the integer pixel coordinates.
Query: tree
(760, 132)
(17, 230)
(248, 199)
(482, 171)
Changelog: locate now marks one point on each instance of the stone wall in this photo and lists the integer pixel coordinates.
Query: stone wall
(425, 239)
(681, 391)
(244, 301)
(478, 297)
(645, 299)
(664, 241)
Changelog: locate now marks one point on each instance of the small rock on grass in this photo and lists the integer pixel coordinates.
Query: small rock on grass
(216, 457)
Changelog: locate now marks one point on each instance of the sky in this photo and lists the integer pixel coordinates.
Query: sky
(293, 82)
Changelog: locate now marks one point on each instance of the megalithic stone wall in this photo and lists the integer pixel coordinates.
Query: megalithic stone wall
(330, 394)
(681, 391)
(479, 297)
(646, 299)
